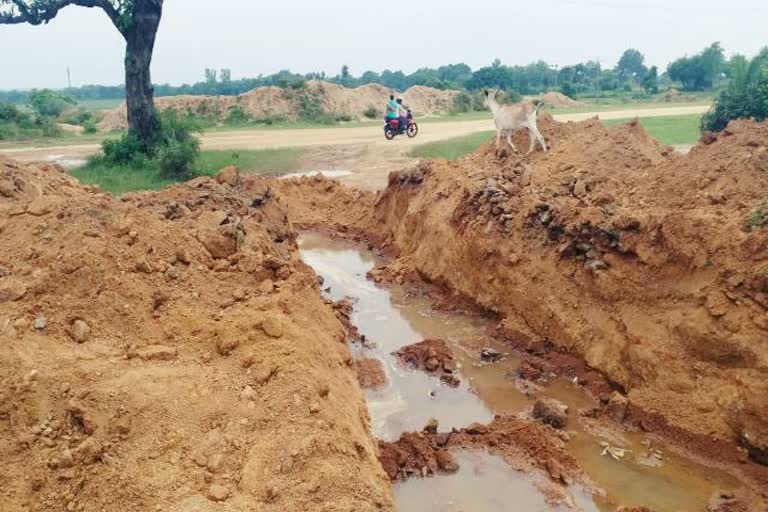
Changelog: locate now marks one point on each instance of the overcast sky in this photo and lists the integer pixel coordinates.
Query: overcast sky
(253, 37)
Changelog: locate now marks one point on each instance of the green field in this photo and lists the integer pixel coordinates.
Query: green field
(667, 130)
(129, 179)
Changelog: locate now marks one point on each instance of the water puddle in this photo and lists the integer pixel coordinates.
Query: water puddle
(328, 174)
(390, 318)
(67, 162)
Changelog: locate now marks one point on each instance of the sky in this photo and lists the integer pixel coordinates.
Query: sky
(261, 37)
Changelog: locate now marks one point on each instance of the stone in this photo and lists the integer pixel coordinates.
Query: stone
(248, 394)
(476, 429)
(431, 426)
(225, 346)
(616, 408)
(11, 290)
(446, 461)
(218, 492)
(551, 411)
(314, 408)
(272, 326)
(431, 364)
(580, 189)
(40, 323)
(157, 353)
(80, 331)
(490, 355)
(717, 303)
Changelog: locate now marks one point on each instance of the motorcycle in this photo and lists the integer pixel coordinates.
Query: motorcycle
(392, 127)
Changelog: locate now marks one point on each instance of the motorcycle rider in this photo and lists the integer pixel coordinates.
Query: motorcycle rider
(402, 113)
(392, 108)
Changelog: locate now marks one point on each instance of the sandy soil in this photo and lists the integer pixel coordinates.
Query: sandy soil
(611, 247)
(170, 351)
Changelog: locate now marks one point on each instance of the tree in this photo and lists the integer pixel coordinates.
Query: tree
(345, 76)
(651, 81)
(210, 76)
(699, 73)
(746, 95)
(137, 21)
(225, 75)
(47, 103)
(631, 65)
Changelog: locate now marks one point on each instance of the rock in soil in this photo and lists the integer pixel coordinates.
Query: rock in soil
(551, 411)
(370, 373)
(433, 356)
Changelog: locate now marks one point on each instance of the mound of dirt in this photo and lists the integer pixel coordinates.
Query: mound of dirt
(556, 99)
(276, 102)
(649, 265)
(431, 356)
(169, 350)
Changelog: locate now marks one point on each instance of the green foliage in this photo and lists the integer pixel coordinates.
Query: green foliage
(173, 154)
(8, 113)
(311, 109)
(372, 113)
(651, 81)
(77, 117)
(49, 127)
(700, 72)
(453, 148)
(89, 126)
(343, 118)
(48, 103)
(746, 95)
(631, 65)
(237, 116)
(757, 217)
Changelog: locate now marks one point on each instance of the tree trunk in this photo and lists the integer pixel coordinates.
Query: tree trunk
(139, 93)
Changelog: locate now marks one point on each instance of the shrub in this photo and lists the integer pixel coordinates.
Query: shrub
(123, 151)
(8, 112)
(343, 118)
(237, 116)
(462, 102)
(757, 217)
(372, 112)
(176, 158)
(90, 126)
(746, 96)
(50, 128)
(47, 103)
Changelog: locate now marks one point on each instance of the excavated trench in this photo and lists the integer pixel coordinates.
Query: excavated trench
(650, 474)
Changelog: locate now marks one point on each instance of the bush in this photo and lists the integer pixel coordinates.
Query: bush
(372, 112)
(343, 118)
(47, 103)
(746, 96)
(176, 158)
(90, 126)
(50, 129)
(237, 116)
(8, 112)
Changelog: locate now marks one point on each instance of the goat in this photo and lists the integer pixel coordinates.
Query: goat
(509, 118)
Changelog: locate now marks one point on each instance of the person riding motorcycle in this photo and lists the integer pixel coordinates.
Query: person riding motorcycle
(402, 113)
(392, 108)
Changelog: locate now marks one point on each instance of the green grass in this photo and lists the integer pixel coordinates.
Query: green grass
(454, 148)
(119, 180)
(669, 129)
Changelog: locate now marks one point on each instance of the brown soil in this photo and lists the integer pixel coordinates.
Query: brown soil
(525, 445)
(370, 373)
(556, 99)
(432, 356)
(274, 102)
(610, 247)
(170, 351)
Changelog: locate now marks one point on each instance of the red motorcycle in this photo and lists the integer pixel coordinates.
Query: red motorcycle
(392, 127)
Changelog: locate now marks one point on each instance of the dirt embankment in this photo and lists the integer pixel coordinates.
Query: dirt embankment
(609, 246)
(170, 351)
(276, 102)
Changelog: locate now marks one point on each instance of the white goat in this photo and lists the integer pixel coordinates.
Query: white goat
(509, 118)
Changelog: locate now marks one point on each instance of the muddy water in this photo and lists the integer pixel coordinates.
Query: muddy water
(391, 318)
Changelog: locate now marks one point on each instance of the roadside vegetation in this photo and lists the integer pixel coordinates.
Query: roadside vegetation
(46, 115)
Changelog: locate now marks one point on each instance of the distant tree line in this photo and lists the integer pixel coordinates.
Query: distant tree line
(706, 70)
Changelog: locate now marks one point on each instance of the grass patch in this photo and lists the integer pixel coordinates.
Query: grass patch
(453, 148)
(668, 129)
(122, 179)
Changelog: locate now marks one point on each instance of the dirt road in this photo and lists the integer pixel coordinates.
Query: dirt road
(356, 136)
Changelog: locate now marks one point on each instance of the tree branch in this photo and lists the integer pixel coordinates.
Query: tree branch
(43, 12)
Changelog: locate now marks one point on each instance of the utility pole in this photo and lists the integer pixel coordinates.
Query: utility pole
(69, 79)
